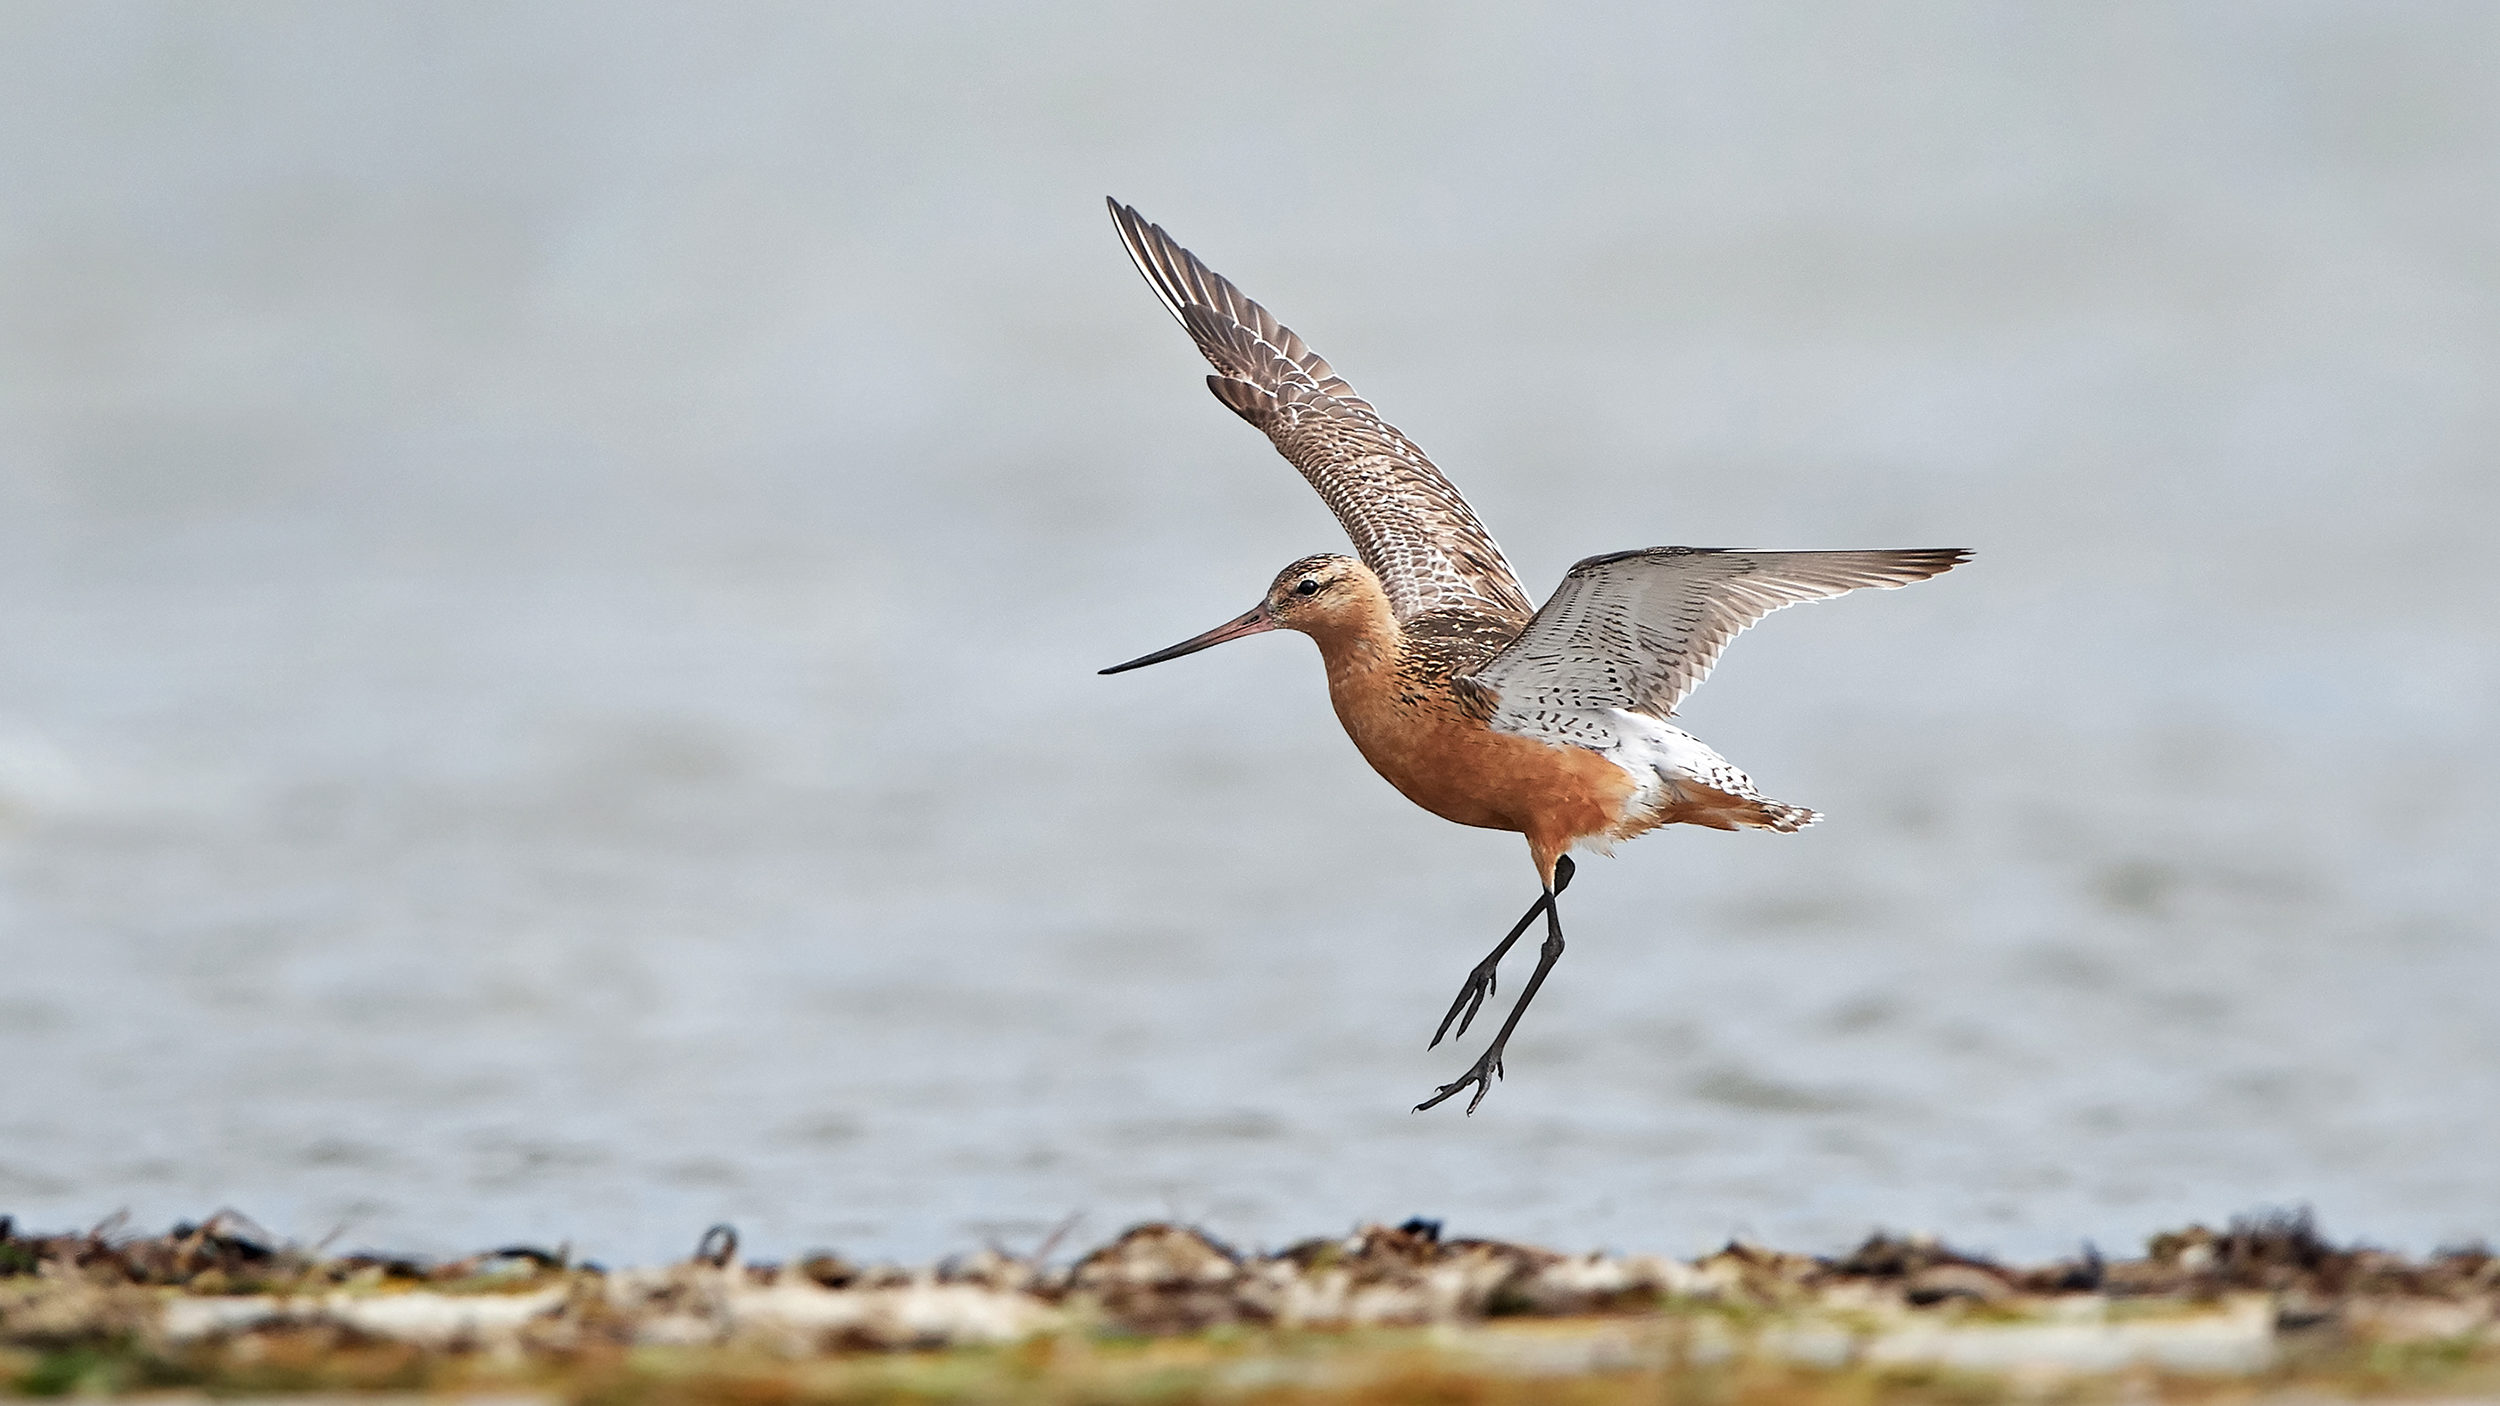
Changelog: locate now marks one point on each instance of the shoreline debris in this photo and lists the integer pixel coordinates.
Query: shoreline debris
(204, 1301)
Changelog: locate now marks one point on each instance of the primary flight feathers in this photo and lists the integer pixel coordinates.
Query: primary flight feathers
(1408, 524)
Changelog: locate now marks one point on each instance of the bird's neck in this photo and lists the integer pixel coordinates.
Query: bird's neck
(1360, 645)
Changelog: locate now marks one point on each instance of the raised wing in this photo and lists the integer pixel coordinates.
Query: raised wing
(1408, 523)
(1640, 630)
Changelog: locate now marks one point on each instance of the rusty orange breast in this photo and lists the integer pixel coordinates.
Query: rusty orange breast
(1423, 740)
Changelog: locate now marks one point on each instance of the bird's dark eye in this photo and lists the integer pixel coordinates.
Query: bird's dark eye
(1307, 588)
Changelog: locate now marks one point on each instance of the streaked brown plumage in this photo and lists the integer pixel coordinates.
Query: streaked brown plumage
(1554, 723)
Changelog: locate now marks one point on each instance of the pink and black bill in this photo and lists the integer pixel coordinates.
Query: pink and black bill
(1253, 623)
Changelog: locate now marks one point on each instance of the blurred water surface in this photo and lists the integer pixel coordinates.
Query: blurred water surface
(552, 558)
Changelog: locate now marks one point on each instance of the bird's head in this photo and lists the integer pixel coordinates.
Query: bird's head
(1317, 595)
(1317, 592)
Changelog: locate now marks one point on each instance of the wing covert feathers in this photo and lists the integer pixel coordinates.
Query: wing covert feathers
(1640, 630)
(1407, 521)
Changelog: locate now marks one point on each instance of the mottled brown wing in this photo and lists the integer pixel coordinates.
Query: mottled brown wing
(1408, 523)
(1639, 631)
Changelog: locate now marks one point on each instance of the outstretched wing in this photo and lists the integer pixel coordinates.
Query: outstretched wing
(1408, 523)
(1640, 630)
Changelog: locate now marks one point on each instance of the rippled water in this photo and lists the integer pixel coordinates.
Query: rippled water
(551, 564)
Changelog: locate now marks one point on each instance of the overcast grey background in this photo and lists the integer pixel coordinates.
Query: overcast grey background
(552, 560)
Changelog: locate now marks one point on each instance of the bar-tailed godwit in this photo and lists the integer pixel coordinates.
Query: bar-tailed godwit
(1552, 722)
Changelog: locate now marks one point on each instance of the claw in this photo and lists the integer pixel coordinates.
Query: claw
(1488, 1068)
(1471, 998)
(1483, 994)
(1443, 1092)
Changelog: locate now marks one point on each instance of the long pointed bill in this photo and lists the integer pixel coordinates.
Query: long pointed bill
(1256, 622)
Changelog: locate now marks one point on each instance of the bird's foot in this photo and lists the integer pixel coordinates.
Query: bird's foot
(1486, 1070)
(1471, 999)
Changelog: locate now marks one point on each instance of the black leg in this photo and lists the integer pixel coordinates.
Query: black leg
(1489, 1066)
(1480, 982)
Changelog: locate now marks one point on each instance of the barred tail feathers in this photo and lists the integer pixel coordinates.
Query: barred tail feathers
(1785, 818)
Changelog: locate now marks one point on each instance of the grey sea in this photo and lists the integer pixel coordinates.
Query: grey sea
(553, 557)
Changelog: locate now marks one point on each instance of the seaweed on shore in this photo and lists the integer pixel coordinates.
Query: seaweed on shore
(225, 1304)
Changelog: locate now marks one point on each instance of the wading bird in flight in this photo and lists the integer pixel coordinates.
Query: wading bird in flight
(1551, 722)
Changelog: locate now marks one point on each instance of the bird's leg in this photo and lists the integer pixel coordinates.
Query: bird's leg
(1480, 982)
(1489, 1067)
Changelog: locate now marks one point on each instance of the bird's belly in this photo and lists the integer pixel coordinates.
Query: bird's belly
(1465, 772)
